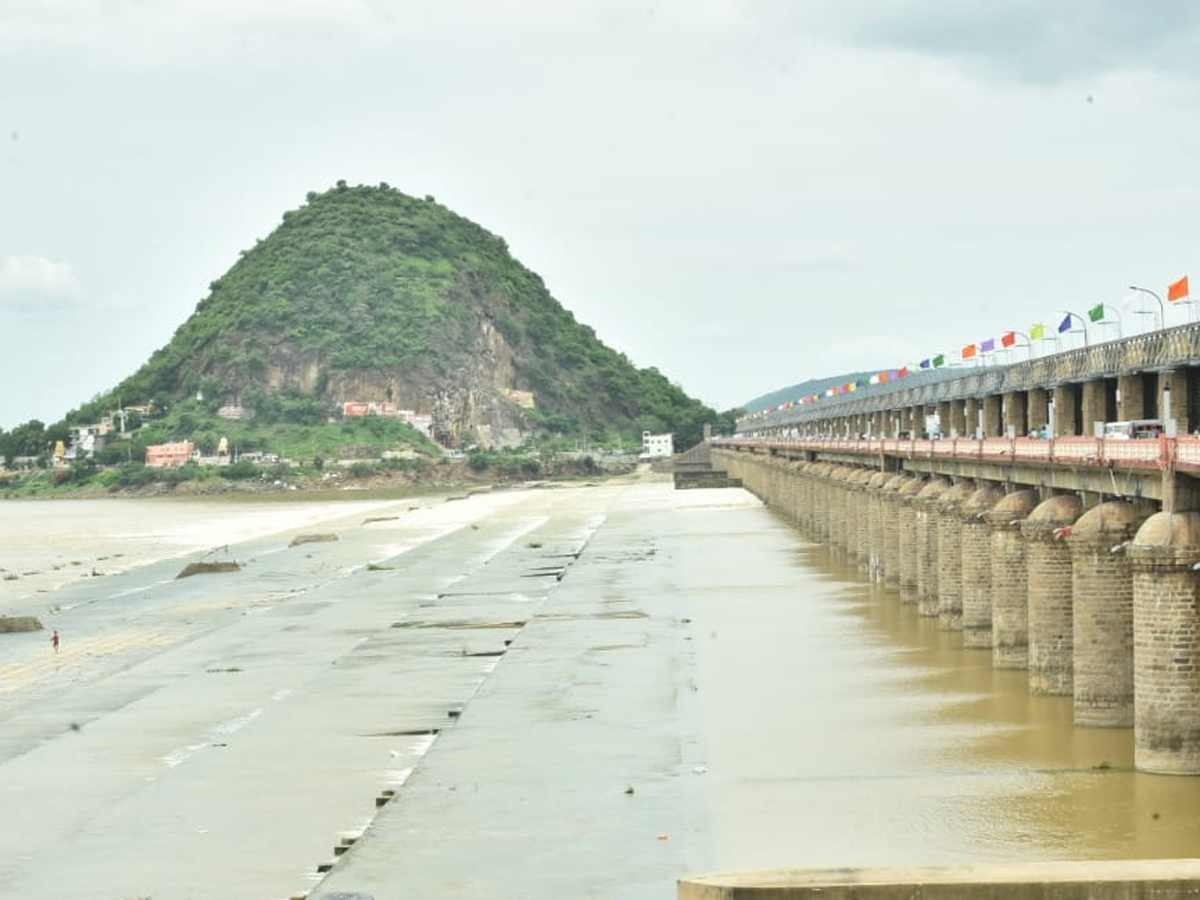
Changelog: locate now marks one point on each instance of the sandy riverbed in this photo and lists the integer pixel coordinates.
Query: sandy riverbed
(45, 544)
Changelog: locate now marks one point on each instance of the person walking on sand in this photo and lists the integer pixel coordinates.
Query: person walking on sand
(54, 640)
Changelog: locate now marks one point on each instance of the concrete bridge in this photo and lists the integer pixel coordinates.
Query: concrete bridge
(1074, 556)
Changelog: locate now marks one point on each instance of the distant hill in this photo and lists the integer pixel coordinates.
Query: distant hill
(820, 385)
(803, 389)
(368, 294)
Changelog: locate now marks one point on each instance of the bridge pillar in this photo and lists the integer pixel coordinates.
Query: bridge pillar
(889, 548)
(971, 419)
(789, 490)
(949, 555)
(1174, 400)
(993, 422)
(927, 551)
(820, 501)
(944, 415)
(1166, 607)
(977, 567)
(808, 480)
(906, 516)
(1038, 408)
(1048, 562)
(858, 514)
(769, 484)
(1010, 581)
(1132, 403)
(1066, 410)
(1015, 416)
(877, 521)
(835, 507)
(916, 420)
(799, 475)
(1095, 405)
(958, 420)
(1102, 592)
(840, 525)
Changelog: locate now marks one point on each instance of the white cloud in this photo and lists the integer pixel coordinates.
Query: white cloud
(1022, 40)
(30, 283)
(822, 256)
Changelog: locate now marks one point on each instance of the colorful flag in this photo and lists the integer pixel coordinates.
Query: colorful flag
(1009, 339)
(988, 346)
(902, 373)
(1178, 290)
(939, 360)
(925, 363)
(893, 374)
(968, 351)
(1037, 332)
(1065, 324)
(1096, 313)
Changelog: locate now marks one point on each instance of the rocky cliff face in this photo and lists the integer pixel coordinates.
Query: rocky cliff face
(469, 404)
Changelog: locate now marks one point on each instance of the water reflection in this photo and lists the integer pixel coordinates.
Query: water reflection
(845, 729)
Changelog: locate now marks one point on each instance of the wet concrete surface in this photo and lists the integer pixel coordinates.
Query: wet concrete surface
(502, 663)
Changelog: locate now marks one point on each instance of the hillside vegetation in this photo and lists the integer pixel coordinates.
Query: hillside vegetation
(367, 294)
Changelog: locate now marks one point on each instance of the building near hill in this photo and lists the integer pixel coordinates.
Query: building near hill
(173, 454)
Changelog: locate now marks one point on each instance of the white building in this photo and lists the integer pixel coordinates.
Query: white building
(657, 445)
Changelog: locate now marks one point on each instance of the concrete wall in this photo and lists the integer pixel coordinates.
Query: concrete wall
(1161, 879)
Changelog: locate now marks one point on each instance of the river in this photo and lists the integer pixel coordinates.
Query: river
(848, 730)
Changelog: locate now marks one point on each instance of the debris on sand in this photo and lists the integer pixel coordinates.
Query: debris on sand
(19, 624)
(312, 539)
(203, 568)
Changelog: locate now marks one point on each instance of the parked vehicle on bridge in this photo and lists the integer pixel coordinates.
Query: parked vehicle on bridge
(1134, 428)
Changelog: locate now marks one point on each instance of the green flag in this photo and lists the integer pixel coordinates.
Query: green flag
(939, 360)
(1096, 313)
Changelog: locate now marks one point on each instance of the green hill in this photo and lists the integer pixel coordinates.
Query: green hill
(367, 294)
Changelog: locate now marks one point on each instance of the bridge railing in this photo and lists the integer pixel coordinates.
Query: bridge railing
(1124, 453)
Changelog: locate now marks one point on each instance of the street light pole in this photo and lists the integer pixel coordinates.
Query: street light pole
(1162, 319)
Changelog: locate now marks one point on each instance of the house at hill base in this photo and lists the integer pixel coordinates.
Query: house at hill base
(174, 454)
(423, 422)
(657, 445)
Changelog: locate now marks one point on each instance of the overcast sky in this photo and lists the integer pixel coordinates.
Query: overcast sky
(742, 193)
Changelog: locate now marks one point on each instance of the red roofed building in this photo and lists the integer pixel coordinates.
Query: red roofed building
(176, 454)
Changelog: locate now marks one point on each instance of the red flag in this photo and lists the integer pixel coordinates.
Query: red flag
(1178, 290)
(1009, 339)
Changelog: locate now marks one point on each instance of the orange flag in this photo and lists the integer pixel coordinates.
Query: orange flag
(1178, 290)
(968, 351)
